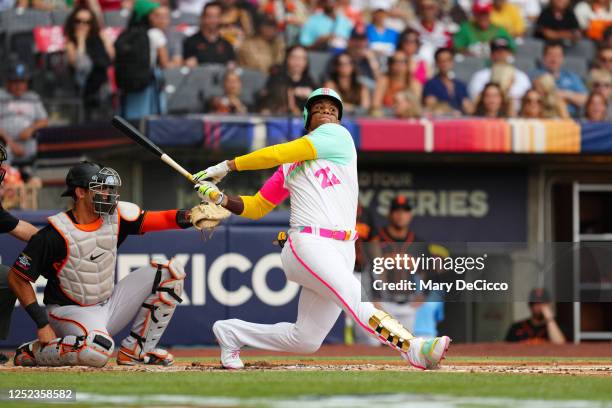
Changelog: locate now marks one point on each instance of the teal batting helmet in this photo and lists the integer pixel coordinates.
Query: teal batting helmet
(320, 94)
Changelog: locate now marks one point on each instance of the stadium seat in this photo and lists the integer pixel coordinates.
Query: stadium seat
(578, 65)
(179, 18)
(18, 25)
(252, 82)
(58, 17)
(199, 85)
(317, 65)
(173, 79)
(583, 49)
(116, 18)
(525, 63)
(465, 66)
(530, 48)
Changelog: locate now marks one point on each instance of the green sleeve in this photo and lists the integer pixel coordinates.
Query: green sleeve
(461, 38)
(332, 142)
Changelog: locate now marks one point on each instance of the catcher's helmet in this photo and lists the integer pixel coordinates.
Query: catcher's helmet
(320, 94)
(3, 156)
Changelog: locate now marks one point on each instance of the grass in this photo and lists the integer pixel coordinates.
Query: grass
(279, 384)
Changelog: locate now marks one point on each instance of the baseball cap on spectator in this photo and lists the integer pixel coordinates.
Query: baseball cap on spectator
(142, 8)
(539, 295)
(18, 71)
(400, 202)
(482, 7)
(500, 43)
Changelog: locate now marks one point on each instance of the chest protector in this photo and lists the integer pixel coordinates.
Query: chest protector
(87, 275)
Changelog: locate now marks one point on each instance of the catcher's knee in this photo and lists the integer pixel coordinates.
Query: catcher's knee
(96, 350)
(169, 280)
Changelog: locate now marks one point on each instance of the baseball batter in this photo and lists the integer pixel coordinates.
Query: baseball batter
(319, 173)
(21, 230)
(77, 253)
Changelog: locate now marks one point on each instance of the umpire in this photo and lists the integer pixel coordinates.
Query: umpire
(20, 230)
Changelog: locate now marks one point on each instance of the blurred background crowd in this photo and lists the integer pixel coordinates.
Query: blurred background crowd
(70, 61)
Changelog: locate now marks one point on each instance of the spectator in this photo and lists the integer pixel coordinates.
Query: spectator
(410, 43)
(327, 29)
(264, 50)
(492, 103)
(160, 19)
(49, 5)
(398, 79)
(530, 9)
(601, 82)
(501, 54)
(594, 16)
(89, 53)
(382, 40)
(290, 15)
(557, 22)
(532, 105)
(229, 102)
(207, 46)
(603, 60)
(474, 36)
(509, 17)
(343, 78)
(443, 94)
(292, 84)
(353, 14)
(554, 105)
(406, 105)
(433, 32)
(570, 86)
(596, 108)
(272, 99)
(541, 326)
(149, 100)
(364, 57)
(21, 115)
(236, 24)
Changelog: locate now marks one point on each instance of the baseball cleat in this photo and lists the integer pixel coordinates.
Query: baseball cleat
(426, 354)
(24, 356)
(154, 357)
(230, 356)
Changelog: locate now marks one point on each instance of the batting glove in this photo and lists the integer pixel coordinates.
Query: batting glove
(216, 173)
(209, 192)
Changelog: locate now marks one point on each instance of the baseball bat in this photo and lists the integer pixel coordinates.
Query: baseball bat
(130, 131)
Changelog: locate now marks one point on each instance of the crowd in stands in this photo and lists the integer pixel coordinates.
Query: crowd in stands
(387, 58)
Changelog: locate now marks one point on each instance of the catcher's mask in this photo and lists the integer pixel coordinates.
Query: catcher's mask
(104, 187)
(3, 156)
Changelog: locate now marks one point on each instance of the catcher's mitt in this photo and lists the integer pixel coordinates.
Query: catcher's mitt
(207, 216)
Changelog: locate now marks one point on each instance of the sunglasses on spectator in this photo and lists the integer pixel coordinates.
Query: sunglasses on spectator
(606, 60)
(397, 61)
(601, 84)
(79, 21)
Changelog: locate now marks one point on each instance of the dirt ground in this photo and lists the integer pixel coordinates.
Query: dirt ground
(586, 359)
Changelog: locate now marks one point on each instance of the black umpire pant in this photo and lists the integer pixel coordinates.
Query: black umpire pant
(7, 302)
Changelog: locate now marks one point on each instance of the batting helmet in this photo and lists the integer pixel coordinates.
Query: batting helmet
(3, 156)
(317, 94)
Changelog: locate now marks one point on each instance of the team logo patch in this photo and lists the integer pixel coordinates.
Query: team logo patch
(24, 261)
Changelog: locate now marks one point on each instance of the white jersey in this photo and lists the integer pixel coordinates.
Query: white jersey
(323, 191)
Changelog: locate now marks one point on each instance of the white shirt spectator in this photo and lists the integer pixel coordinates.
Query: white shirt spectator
(438, 37)
(585, 14)
(157, 40)
(520, 85)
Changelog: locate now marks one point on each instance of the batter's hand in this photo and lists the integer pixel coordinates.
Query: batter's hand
(209, 192)
(46, 334)
(216, 172)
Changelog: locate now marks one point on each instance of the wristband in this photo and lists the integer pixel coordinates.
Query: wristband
(219, 199)
(38, 314)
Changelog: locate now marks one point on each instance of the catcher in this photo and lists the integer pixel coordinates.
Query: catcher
(77, 253)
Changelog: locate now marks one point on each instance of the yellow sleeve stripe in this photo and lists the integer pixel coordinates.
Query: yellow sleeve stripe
(256, 207)
(295, 151)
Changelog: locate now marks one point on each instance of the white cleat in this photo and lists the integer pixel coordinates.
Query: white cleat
(230, 356)
(426, 354)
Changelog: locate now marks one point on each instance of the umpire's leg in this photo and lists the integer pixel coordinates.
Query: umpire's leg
(7, 304)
